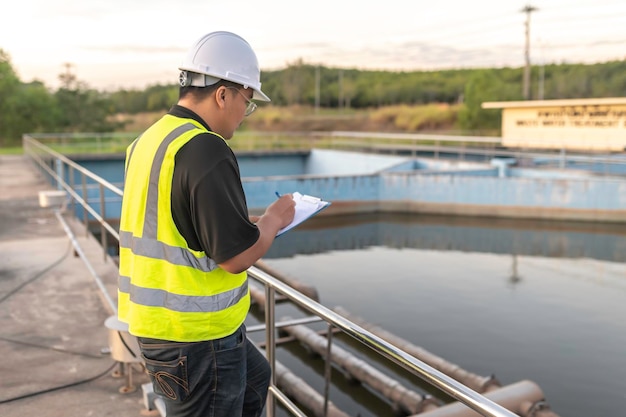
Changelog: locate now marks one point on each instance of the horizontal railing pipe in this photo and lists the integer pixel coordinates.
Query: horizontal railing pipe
(29, 141)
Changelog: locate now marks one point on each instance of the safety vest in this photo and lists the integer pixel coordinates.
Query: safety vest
(167, 290)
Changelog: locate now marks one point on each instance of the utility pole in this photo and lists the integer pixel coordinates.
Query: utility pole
(528, 9)
(317, 89)
(340, 95)
(542, 72)
(542, 75)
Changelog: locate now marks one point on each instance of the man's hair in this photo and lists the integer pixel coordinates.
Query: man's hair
(200, 93)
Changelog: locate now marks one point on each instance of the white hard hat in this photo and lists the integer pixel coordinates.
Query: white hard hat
(222, 56)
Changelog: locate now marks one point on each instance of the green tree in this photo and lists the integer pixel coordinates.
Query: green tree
(159, 97)
(25, 107)
(82, 109)
(34, 110)
(9, 86)
(487, 85)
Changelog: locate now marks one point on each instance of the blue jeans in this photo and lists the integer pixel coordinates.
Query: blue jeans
(217, 378)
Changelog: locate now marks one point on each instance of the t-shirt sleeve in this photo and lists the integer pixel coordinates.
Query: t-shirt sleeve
(208, 201)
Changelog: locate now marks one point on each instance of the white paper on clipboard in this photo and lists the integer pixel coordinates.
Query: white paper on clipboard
(306, 207)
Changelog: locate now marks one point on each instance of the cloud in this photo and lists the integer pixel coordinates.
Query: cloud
(409, 56)
(136, 49)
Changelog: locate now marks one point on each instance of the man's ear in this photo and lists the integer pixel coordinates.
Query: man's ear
(220, 96)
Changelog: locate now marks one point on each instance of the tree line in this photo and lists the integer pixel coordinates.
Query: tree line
(75, 107)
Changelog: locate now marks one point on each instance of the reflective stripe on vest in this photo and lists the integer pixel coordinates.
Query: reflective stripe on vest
(183, 303)
(152, 248)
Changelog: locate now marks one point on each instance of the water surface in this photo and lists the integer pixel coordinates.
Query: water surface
(542, 301)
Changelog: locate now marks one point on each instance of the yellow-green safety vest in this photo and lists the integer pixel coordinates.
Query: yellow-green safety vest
(167, 290)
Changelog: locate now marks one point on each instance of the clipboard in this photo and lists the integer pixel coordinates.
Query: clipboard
(307, 206)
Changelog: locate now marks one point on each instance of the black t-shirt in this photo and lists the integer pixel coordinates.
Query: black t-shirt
(208, 203)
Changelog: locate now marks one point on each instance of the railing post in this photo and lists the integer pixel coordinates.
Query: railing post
(103, 231)
(328, 368)
(72, 185)
(86, 200)
(58, 167)
(270, 322)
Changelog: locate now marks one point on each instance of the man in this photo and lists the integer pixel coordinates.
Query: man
(186, 239)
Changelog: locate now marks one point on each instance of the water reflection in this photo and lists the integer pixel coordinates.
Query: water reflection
(501, 236)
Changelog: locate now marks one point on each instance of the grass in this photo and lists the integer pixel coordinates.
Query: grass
(418, 118)
(401, 118)
(11, 150)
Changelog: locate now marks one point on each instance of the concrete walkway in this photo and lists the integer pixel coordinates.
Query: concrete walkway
(52, 313)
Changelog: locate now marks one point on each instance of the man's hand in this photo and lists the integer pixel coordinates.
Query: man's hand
(277, 215)
(282, 209)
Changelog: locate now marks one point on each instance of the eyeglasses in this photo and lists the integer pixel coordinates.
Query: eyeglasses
(251, 104)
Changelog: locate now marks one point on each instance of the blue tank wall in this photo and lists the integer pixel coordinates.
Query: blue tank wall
(264, 165)
(410, 184)
(570, 193)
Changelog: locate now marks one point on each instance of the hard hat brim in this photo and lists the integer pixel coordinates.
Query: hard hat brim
(260, 96)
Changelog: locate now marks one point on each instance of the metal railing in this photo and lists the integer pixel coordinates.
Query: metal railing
(474, 148)
(57, 167)
(477, 148)
(54, 165)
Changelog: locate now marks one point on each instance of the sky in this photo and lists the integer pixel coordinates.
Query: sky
(116, 44)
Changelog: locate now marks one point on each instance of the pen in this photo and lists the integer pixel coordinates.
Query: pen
(277, 194)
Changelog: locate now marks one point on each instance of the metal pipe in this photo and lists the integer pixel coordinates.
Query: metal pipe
(281, 324)
(306, 395)
(401, 397)
(429, 374)
(521, 397)
(476, 382)
(287, 403)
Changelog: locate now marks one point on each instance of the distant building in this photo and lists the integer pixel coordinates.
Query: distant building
(597, 124)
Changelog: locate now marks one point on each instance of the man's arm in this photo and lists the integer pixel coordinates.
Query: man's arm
(278, 215)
